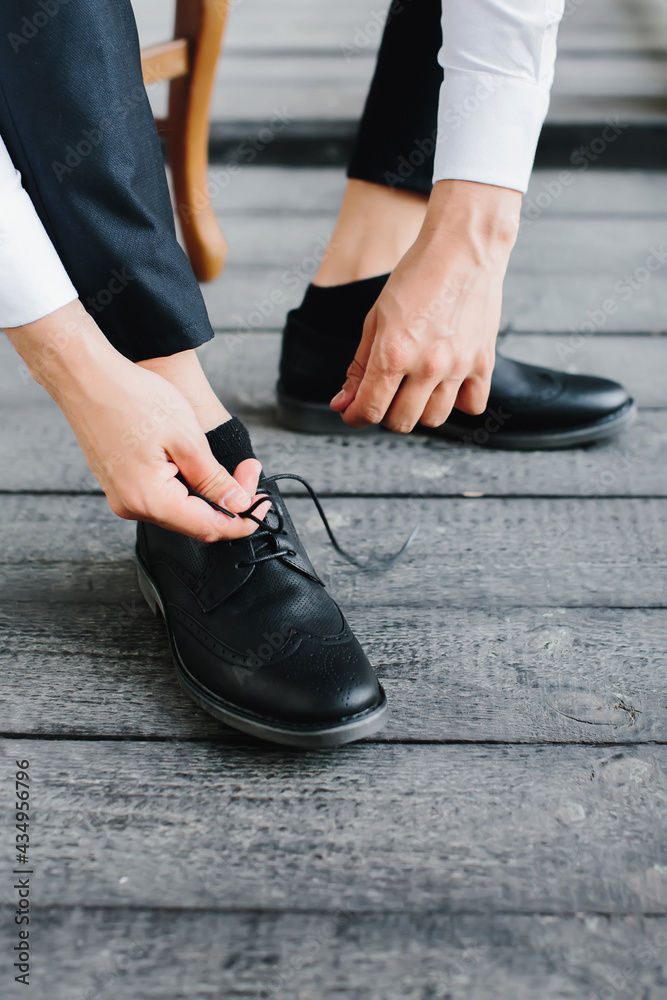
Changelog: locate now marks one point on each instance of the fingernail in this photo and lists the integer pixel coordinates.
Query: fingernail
(340, 397)
(236, 498)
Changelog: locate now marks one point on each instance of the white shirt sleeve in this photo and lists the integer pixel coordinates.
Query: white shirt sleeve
(498, 57)
(33, 282)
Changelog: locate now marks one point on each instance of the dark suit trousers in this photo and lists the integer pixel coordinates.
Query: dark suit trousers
(395, 143)
(77, 123)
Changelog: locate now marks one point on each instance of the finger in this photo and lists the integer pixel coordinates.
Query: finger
(173, 508)
(205, 475)
(473, 394)
(373, 399)
(357, 369)
(440, 405)
(247, 474)
(379, 383)
(408, 405)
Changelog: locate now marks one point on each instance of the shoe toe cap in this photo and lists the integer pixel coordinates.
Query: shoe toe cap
(312, 681)
(587, 397)
(325, 683)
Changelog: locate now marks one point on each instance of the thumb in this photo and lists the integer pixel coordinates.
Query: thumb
(204, 474)
(357, 369)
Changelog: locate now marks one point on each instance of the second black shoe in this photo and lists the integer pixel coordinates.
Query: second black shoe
(529, 407)
(255, 638)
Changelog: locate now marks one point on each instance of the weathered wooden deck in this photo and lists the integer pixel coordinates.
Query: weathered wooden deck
(504, 836)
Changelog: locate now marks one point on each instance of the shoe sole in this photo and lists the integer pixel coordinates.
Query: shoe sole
(319, 418)
(355, 728)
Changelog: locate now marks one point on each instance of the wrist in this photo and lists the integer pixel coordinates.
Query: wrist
(64, 351)
(481, 219)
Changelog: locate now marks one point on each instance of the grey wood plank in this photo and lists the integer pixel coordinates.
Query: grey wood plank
(625, 359)
(610, 77)
(243, 369)
(419, 465)
(133, 954)
(40, 453)
(613, 192)
(560, 676)
(251, 86)
(475, 829)
(490, 552)
(551, 245)
(542, 302)
(293, 190)
(566, 274)
(611, 247)
(279, 190)
(578, 267)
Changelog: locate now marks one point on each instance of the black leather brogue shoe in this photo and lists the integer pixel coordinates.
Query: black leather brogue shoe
(255, 637)
(529, 407)
(539, 408)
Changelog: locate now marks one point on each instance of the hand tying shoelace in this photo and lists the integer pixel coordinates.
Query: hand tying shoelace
(267, 531)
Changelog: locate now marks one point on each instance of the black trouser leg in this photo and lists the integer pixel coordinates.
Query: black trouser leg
(396, 139)
(76, 120)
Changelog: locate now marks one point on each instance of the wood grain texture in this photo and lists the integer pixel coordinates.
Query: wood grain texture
(129, 954)
(475, 829)
(40, 453)
(605, 246)
(561, 676)
(201, 23)
(570, 259)
(244, 370)
(567, 275)
(544, 303)
(165, 61)
(243, 367)
(492, 553)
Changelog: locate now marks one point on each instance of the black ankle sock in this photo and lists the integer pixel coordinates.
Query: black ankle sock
(230, 443)
(322, 335)
(340, 310)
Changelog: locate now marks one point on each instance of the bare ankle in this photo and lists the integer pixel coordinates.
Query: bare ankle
(376, 226)
(185, 372)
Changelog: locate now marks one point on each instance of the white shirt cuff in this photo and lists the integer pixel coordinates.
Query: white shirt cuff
(488, 127)
(33, 281)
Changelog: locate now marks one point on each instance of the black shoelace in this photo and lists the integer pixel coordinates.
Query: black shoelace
(267, 531)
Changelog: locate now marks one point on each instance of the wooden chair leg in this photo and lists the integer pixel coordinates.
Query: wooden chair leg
(202, 22)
